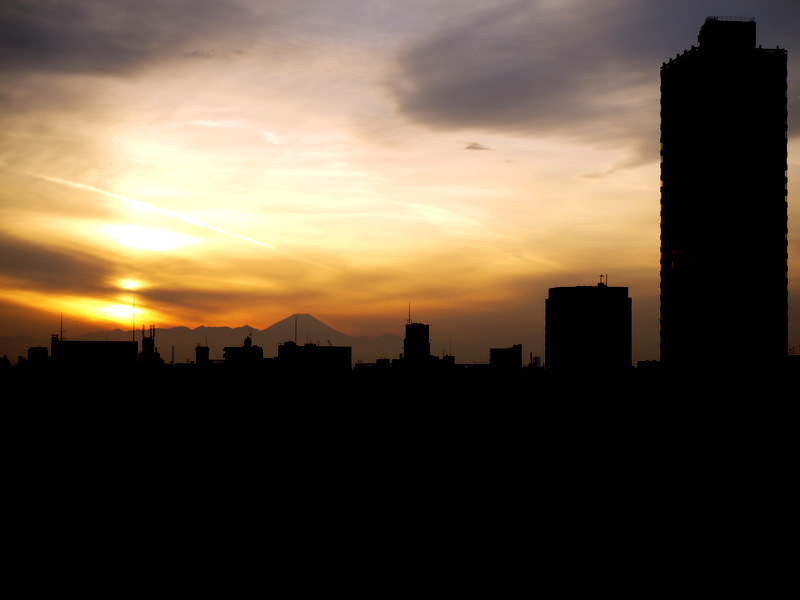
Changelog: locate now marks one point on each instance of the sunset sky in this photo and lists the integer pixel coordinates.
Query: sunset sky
(235, 162)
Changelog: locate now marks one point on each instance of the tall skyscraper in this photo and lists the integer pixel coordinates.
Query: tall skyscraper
(416, 344)
(724, 286)
(588, 328)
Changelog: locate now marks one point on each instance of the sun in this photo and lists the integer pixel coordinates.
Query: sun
(130, 284)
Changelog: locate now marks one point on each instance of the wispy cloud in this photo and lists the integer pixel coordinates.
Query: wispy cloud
(155, 209)
(120, 37)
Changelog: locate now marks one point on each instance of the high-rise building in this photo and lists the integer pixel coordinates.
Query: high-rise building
(417, 344)
(724, 286)
(588, 328)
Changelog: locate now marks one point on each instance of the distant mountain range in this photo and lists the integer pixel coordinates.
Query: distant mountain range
(182, 341)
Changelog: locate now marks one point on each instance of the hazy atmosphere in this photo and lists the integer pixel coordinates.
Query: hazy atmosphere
(209, 163)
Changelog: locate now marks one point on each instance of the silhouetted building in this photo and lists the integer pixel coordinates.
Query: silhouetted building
(37, 355)
(417, 343)
(507, 359)
(149, 356)
(201, 355)
(724, 286)
(313, 358)
(245, 355)
(97, 355)
(588, 328)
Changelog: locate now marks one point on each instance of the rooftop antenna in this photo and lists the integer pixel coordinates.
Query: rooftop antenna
(61, 329)
(133, 322)
(409, 313)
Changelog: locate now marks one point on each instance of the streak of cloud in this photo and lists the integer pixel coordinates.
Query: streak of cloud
(154, 209)
(144, 206)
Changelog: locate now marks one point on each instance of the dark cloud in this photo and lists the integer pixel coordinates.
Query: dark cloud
(583, 70)
(476, 146)
(90, 36)
(53, 269)
(120, 37)
(505, 67)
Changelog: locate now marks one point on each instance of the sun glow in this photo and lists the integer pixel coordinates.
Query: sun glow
(146, 238)
(130, 284)
(119, 312)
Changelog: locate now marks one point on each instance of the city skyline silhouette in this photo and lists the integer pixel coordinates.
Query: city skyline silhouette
(481, 158)
(406, 262)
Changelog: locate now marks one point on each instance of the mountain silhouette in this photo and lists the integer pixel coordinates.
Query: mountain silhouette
(302, 328)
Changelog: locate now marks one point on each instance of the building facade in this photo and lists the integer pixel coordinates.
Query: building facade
(724, 285)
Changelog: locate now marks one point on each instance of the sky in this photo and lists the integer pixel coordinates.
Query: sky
(230, 163)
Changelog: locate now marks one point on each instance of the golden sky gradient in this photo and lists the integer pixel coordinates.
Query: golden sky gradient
(233, 163)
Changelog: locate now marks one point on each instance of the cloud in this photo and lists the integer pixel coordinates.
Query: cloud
(215, 53)
(579, 70)
(476, 146)
(56, 269)
(272, 138)
(102, 37)
(121, 37)
(487, 68)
